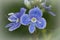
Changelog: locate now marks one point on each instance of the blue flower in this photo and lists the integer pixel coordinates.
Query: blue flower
(34, 19)
(14, 18)
(47, 8)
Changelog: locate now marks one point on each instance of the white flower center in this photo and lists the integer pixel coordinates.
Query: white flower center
(33, 20)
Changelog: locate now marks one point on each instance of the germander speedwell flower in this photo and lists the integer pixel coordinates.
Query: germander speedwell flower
(15, 19)
(47, 8)
(34, 18)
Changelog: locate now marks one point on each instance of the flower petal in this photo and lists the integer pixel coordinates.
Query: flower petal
(27, 3)
(9, 25)
(53, 14)
(19, 14)
(48, 8)
(35, 12)
(25, 19)
(14, 27)
(22, 11)
(32, 28)
(41, 24)
(12, 18)
(10, 14)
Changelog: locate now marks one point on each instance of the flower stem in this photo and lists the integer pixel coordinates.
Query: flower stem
(46, 36)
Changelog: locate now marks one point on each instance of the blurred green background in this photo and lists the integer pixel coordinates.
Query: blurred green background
(51, 32)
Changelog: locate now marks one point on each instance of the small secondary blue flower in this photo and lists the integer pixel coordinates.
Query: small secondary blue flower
(34, 19)
(47, 8)
(15, 19)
